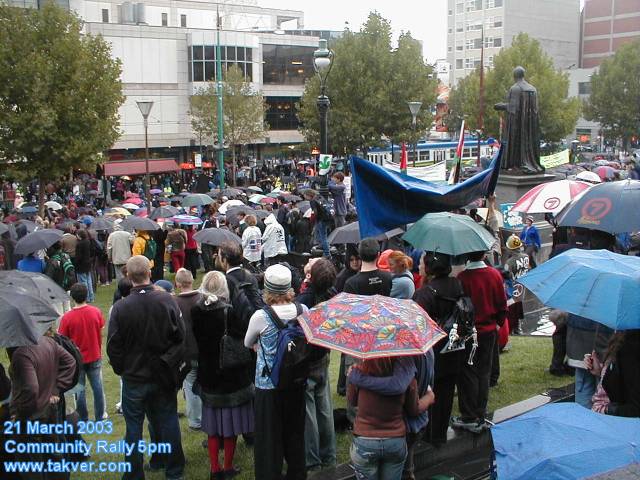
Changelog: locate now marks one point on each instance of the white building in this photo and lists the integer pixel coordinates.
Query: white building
(554, 23)
(586, 132)
(167, 51)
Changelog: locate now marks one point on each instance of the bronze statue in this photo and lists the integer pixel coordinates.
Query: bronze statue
(521, 135)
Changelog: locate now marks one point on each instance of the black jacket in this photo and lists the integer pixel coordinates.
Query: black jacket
(622, 380)
(83, 256)
(439, 310)
(186, 301)
(208, 329)
(146, 324)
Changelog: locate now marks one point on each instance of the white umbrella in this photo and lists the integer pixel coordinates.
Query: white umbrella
(53, 205)
(130, 206)
(229, 203)
(588, 176)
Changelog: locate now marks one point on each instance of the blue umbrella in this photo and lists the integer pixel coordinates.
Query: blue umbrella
(610, 207)
(595, 284)
(564, 441)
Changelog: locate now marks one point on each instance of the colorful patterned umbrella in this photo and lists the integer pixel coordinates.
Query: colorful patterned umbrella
(371, 326)
(550, 197)
(605, 172)
(185, 220)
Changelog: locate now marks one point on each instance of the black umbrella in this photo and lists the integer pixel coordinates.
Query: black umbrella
(23, 318)
(3, 228)
(164, 212)
(304, 206)
(292, 198)
(350, 233)
(139, 223)
(609, 207)
(102, 223)
(31, 226)
(232, 213)
(176, 198)
(38, 240)
(231, 192)
(34, 283)
(216, 236)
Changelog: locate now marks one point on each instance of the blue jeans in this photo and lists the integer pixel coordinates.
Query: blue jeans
(194, 404)
(161, 407)
(585, 387)
(85, 279)
(92, 370)
(319, 434)
(321, 230)
(378, 458)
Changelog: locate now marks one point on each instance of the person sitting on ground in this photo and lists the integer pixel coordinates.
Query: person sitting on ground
(83, 324)
(618, 391)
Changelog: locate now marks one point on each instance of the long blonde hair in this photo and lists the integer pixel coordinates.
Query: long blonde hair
(214, 287)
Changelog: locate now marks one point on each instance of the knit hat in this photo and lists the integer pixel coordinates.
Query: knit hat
(166, 285)
(277, 279)
(514, 243)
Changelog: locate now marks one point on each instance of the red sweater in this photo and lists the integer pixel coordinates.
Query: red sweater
(84, 325)
(486, 289)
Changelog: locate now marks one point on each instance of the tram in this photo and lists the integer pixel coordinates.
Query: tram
(430, 153)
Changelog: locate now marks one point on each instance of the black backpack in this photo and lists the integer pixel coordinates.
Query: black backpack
(462, 315)
(71, 347)
(245, 300)
(294, 355)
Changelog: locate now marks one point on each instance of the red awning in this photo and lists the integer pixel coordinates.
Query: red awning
(137, 167)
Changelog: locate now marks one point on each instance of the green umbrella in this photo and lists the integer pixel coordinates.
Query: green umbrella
(196, 200)
(449, 233)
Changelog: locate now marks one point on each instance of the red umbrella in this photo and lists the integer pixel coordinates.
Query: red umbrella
(605, 172)
(550, 197)
(267, 200)
(134, 200)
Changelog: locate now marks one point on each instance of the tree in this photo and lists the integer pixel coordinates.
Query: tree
(558, 113)
(60, 92)
(369, 86)
(244, 111)
(615, 94)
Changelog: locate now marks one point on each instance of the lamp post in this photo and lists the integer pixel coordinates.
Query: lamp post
(145, 110)
(220, 109)
(414, 108)
(322, 63)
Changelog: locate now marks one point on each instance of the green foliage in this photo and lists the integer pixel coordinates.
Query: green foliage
(558, 113)
(60, 92)
(369, 86)
(615, 93)
(244, 111)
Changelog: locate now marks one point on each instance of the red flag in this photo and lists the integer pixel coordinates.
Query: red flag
(403, 158)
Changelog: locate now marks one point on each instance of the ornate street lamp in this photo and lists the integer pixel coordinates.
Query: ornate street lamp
(145, 110)
(414, 108)
(322, 63)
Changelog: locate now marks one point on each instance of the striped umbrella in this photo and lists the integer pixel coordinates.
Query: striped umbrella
(185, 220)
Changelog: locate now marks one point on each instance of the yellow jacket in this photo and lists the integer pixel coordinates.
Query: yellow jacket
(139, 244)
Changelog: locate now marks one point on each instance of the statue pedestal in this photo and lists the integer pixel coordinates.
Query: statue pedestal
(511, 187)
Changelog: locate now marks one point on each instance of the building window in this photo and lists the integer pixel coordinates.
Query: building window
(105, 15)
(497, 42)
(459, 27)
(493, 3)
(472, 26)
(497, 22)
(282, 113)
(459, 47)
(203, 61)
(459, 8)
(286, 64)
(450, 12)
(450, 30)
(450, 49)
(584, 88)
(183, 20)
(458, 64)
(165, 19)
(473, 5)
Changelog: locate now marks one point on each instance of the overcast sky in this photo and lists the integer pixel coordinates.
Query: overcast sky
(426, 19)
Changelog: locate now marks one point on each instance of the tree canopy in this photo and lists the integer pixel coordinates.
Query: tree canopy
(60, 92)
(558, 112)
(369, 86)
(615, 94)
(244, 111)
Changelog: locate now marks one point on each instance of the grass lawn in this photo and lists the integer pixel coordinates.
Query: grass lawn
(523, 375)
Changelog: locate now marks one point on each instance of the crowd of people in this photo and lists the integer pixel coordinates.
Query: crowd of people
(219, 343)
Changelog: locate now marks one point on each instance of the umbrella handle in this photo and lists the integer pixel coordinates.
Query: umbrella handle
(474, 347)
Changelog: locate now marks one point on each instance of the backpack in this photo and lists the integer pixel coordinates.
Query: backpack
(150, 248)
(462, 316)
(294, 355)
(60, 269)
(245, 300)
(72, 348)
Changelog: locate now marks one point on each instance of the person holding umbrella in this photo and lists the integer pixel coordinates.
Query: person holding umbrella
(531, 239)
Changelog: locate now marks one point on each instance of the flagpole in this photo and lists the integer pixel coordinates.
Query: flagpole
(481, 102)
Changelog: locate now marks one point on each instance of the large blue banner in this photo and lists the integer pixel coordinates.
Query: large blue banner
(386, 200)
